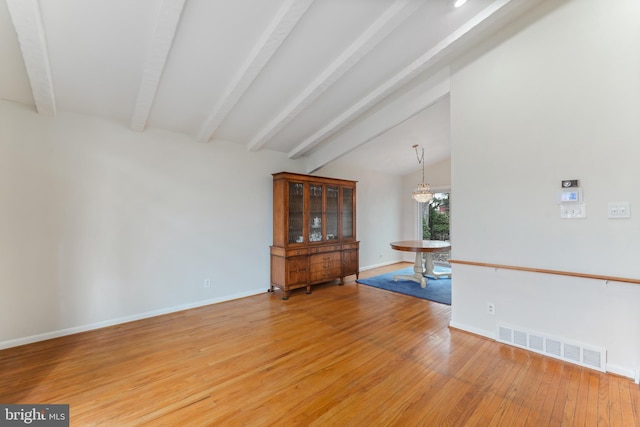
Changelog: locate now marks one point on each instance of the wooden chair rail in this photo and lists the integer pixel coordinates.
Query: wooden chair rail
(544, 271)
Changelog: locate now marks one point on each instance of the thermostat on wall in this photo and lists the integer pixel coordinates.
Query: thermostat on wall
(569, 183)
(571, 195)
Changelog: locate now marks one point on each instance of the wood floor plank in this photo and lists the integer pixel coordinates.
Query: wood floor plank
(503, 389)
(603, 401)
(484, 412)
(344, 355)
(626, 403)
(543, 403)
(580, 415)
(561, 385)
(530, 394)
(634, 397)
(615, 404)
(592, 386)
(571, 396)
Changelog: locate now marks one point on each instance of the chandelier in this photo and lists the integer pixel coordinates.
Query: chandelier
(422, 194)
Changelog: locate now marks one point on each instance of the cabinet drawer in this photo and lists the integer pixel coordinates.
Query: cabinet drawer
(324, 258)
(325, 266)
(333, 266)
(323, 249)
(348, 246)
(297, 252)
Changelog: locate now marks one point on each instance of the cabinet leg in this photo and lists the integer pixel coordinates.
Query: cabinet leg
(308, 289)
(341, 281)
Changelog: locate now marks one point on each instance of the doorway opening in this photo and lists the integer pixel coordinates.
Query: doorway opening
(434, 222)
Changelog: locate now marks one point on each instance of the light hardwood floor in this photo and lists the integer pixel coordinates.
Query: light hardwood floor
(347, 355)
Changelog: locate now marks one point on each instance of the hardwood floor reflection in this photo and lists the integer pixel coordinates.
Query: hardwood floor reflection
(342, 356)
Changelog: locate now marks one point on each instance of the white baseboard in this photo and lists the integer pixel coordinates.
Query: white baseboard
(622, 371)
(98, 325)
(466, 328)
(382, 264)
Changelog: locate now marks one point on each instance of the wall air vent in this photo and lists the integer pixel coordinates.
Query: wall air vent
(572, 352)
(553, 347)
(520, 338)
(536, 343)
(505, 334)
(584, 355)
(592, 358)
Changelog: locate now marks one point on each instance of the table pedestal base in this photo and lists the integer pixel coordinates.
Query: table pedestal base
(418, 272)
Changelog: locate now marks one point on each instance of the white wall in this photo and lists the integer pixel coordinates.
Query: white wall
(379, 211)
(100, 224)
(558, 100)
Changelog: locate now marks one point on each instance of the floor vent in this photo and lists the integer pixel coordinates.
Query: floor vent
(580, 354)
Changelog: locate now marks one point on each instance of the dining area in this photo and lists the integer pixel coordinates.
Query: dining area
(425, 266)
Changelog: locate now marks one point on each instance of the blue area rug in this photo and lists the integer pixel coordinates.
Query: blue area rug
(437, 290)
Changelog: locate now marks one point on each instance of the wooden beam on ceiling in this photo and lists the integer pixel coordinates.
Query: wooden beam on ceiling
(167, 24)
(27, 21)
(279, 29)
(381, 28)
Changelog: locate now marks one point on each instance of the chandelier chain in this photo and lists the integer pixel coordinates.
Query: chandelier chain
(420, 159)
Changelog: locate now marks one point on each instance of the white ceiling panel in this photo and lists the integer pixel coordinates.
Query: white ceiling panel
(97, 50)
(323, 33)
(284, 75)
(211, 44)
(427, 26)
(392, 151)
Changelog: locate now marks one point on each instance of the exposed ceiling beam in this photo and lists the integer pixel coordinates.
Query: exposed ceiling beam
(377, 31)
(167, 24)
(384, 117)
(27, 21)
(420, 65)
(286, 19)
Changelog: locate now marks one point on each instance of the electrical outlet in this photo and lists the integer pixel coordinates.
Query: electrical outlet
(491, 308)
(207, 283)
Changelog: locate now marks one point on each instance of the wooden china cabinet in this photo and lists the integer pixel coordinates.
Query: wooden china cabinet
(314, 231)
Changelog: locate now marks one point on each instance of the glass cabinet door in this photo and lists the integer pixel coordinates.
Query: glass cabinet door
(332, 209)
(315, 212)
(347, 213)
(296, 212)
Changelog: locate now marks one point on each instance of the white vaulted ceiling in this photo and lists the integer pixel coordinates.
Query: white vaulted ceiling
(283, 75)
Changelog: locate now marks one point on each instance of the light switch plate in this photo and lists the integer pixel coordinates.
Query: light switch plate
(619, 210)
(573, 211)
